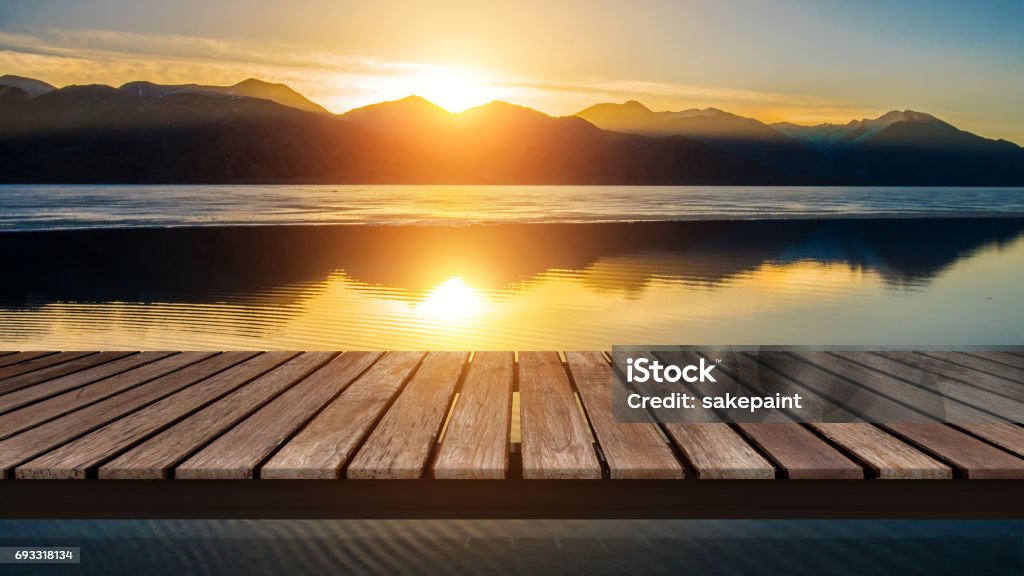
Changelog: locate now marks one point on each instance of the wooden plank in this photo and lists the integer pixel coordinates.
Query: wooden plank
(939, 402)
(948, 445)
(41, 362)
(714, 449)
(632, 450)
(895, 383)
(953, 371)
(1006, 358)
(477, 440)
(238, 453)
(956, 391)
(74, 459)
(48, 373)
(33, 414)
(889, 457)
(556, 442)
(1007, 436)
(799, 453)
(400, 445)
(156, 457)
(977, 459)
(886, 455)
(325, 445)
(717, 452)
(17, 357)
(981, 364)
(36, 441)
(17, 399)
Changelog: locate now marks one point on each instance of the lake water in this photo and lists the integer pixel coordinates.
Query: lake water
(100, 267)
(741, 547)
(61, 206)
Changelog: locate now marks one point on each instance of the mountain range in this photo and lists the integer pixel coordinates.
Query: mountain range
(255, 131)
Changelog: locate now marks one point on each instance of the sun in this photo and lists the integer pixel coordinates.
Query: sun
(453, 90)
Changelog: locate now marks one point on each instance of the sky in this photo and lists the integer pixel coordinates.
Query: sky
(800, 61)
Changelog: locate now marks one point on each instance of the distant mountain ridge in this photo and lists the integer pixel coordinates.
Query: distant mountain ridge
(30, 86)
(250, 88)
(746, 137)
(256, 131)
(898, 148)
(837, 136)
(153, 135)
(913, 148)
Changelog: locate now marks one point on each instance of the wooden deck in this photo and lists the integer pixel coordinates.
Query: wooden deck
(454, 419)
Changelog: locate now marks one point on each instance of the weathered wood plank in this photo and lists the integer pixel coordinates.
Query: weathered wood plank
(886, 455)
(977, 459)
(19, 398)
(854, 366)
(238, 453)
(937, 403)
(953, 371)
(28, 416)
(1007, 436)
(717, 452)
(632, 450)
(956, 391)
(35, 441)
(714, 449)
(555, 440)
(74, 459)
(1007, 358)
(323, 447)
(41, 362)
(476, 443)
(18, 382)
(981, 365)
(400, 445)
(836, 398)
(799, 453)
(156, 457)
(889, 457)
(17, 357)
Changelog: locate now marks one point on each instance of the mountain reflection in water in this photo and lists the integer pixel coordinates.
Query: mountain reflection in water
(517, 286)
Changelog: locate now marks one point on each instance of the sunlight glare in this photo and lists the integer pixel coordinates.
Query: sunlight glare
(453, 90)
(451, 301)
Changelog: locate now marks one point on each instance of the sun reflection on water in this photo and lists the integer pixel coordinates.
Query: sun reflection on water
(647, 297)
(451, 302)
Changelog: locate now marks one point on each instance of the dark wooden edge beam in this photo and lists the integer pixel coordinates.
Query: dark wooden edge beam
(791, 499)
